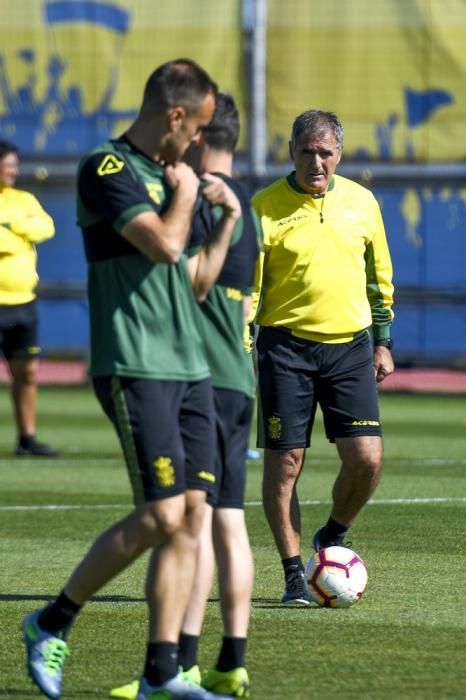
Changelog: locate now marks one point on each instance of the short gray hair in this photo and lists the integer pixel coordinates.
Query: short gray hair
(316, 122)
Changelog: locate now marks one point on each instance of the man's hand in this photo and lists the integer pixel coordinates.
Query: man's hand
(182, 178)
(218, 193)
(383, 363)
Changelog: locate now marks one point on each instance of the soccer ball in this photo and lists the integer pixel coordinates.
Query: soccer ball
(336, 577)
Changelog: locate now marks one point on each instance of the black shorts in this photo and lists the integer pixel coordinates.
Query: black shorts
(295, 375)
(166, 430)
(233, 416)
(18, 331)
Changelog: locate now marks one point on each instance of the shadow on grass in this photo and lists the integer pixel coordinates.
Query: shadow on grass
(17, 597)
(65, 456)
(256, 602)
(21, 693)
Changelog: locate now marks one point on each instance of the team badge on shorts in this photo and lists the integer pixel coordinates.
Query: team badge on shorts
(164, 471)
(275, 428)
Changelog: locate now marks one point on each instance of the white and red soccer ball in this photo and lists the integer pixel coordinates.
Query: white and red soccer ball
(336, 577)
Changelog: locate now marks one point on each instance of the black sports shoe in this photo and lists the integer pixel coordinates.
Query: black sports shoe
(319, 542)
(30, 447)
(296, 592)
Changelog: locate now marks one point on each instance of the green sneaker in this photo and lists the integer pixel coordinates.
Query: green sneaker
(46, 655)
(234, 682)
(130, 690)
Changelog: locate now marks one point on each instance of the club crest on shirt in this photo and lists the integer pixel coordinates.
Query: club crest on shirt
(235, 294)
(155, 189)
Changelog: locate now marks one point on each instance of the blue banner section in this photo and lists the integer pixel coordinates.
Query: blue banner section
(105, 14)
(421, 104)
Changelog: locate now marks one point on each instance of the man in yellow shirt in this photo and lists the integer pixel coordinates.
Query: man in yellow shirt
(324, 316)
(23, 223)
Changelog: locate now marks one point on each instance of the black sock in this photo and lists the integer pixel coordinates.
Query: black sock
(161, 662)
(59, 615)
(27, 440)
(292, 564)
(334, 530)
(187, 651)
(232, 653)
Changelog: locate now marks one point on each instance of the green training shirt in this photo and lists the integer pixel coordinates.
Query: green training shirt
(142, 314)
(221, 318)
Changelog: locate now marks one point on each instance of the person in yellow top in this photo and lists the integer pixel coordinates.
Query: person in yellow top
(23, 223)
(325, 293)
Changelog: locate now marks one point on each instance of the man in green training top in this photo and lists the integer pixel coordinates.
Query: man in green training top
(223, 311)
(135, 206)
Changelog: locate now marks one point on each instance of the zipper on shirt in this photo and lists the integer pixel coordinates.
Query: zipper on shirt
(321, 213)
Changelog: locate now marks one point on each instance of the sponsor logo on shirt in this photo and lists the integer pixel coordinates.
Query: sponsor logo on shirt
(289, 219)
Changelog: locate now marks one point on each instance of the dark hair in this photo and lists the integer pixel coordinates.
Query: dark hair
(222, 132)
(178, 82)
(7, 147)
(316, 122)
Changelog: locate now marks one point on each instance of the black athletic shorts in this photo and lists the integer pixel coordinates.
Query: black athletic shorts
(166, 430)
(18, 331)
(233, 415)
(295, 375)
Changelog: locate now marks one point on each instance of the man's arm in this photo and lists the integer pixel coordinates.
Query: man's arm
(120, 196)
(205, 267)
(380, 296)
(33, 222)
(11, 243)
(163, 238)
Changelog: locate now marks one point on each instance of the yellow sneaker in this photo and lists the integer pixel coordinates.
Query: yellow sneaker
(193, 674)
(130, 690)
(234, 682)
(126, 692)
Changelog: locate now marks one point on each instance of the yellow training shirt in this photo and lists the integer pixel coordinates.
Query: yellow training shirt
(23, 223)
(325, 271)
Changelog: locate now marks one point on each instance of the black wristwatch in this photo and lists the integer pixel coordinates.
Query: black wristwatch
(384, 343)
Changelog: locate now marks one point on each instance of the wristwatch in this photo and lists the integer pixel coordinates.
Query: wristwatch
(384, 343)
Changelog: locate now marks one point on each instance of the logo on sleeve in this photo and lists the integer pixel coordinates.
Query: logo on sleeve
(110, 166)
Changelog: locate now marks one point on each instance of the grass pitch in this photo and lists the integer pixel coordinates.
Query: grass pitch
(406, 638)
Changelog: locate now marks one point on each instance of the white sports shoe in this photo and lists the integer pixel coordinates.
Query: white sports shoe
(177, 687)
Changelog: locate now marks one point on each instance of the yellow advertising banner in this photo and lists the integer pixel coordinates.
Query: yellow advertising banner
(72, 71)
(394, 71)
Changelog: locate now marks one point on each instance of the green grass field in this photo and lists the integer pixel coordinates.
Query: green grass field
(406, 639)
